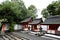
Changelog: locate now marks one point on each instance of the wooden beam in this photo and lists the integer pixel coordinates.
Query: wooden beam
(47, 28)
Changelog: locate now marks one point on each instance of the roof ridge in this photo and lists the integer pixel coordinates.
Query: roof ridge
(56, 16)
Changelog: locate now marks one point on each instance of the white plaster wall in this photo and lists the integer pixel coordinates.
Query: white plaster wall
(51, 31)
(29, 25)
(38, 26)
(58, 28)
(6, 27)
(17, 26)
(44, 27)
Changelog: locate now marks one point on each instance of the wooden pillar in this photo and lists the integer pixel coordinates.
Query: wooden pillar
(24, 27)
(33, 28)
(27, 26)
(50, 31)
(47, 28)
(3, 26)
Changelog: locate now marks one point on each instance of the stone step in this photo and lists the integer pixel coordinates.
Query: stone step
(23, 38)
(10, 38)
(1, 38)
(5, 38)
(14, 37)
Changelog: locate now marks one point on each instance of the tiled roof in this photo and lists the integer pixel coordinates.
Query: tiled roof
(26, 20)
(36, 21)
(52, 20)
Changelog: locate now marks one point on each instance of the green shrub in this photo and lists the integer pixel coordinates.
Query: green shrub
(11, 27)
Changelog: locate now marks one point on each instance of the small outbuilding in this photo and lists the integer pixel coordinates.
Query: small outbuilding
(25, 23)
(35, 24)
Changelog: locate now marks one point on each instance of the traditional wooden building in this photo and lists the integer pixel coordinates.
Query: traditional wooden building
(35, 24)
(25, 22)
(18, 26)
(53, 23)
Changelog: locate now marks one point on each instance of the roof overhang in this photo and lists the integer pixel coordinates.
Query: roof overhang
(50, 24)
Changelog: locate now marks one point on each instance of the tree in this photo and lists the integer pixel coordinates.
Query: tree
(9, 12)
(13, 12)
(45, 13)
(21, 7)
(32, 11)
(9, 9)
(52, 9)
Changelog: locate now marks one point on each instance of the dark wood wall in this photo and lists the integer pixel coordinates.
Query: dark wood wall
(53, 27)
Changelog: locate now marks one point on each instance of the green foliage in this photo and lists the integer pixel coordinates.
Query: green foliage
(44, 13)
(52, 9)
(22, 9)
(32, 11)
(11, 27)
(16, 11)
(0, 24)
(9, 10)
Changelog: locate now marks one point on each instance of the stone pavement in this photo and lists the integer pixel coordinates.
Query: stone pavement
(11, 36)
(1, 38)
(25, 35)
(34, 37)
